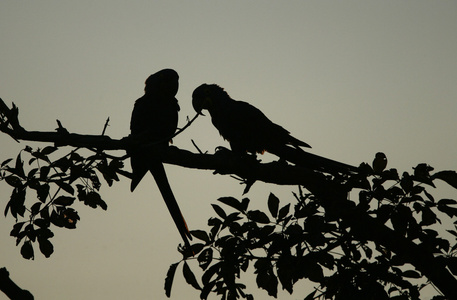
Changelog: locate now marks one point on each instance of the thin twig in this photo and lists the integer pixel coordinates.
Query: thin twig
(196, 147)
(187, 125)
(106, 125)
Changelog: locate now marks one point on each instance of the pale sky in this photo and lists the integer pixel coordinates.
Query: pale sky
(350, 78)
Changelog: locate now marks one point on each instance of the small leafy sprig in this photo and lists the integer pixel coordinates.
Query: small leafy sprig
(56, 184)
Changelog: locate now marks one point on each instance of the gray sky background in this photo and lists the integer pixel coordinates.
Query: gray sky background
(351, 78)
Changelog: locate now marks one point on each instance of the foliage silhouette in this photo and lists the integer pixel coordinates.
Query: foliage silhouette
(57, 185)
(323, 238)
(371, 234)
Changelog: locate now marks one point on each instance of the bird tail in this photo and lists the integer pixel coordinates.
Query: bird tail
(158, 172)
(139, 169)
(297, 143)
(305, 159)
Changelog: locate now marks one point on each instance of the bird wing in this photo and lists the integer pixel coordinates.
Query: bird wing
(247, 128)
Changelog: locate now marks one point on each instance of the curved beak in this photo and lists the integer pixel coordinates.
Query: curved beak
(198, 104)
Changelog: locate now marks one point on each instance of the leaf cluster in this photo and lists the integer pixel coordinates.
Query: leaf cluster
(56, 185)
(319, 239)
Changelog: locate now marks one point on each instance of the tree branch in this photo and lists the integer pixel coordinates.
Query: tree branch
(223, 162)
(11, 289)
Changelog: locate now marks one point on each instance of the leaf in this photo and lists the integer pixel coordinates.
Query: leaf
(283, 211)
(27, 250)
(35, 208)
(443, 207)
(48, 150)
(16, 229)
(76, 157)
(44, 172)
(266, 279)
(450, 177)
(209, 274)
(205, 258)
(93, 200)
(31, 232)
(70, 217)
(273, 205)
(201, 235)
(447, 202)
(195, 249)
(66, 187)
(42, 223)
(384, 212)
(219, 211)
(232, 202)
(31, 174)
(44, 213)
(14, 181)
(429, 196)
(43, 192)
(411, 274)
(46, 247)
(64, 200)
(258, 216)
(56, 219)
(314, 272)
(190, 277)
(284, 269)
(6, 162)
(406, 182)
(19, 168)
(422, 174)
(428, 217)
(400, 219)
(40, 155)
(16, 203)
(7, 207)
(244, 204)
(63, 164)
(169, 279)
(207, 288)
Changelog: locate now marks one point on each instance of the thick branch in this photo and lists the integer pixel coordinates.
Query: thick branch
(223, 162)
(226, 162)
(11, 289)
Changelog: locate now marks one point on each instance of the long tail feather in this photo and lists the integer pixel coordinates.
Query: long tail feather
(157, 170)
(312, 161)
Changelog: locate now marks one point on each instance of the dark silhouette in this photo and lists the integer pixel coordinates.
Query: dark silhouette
(248, 130)
(376, 244)
(155, 119)
(11, 289)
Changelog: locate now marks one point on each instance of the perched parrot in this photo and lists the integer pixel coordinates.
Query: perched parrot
(154, 120)
(247, 129)
(379, 163)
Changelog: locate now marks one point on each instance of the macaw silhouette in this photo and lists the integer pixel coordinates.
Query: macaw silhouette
(154, 120)
(247, 129)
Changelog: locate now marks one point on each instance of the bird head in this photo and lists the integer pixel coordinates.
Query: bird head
(163, 83)
(206, 96)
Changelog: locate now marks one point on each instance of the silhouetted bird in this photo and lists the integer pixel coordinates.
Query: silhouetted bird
(155, 119)
(247, 129)
(379, 163)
